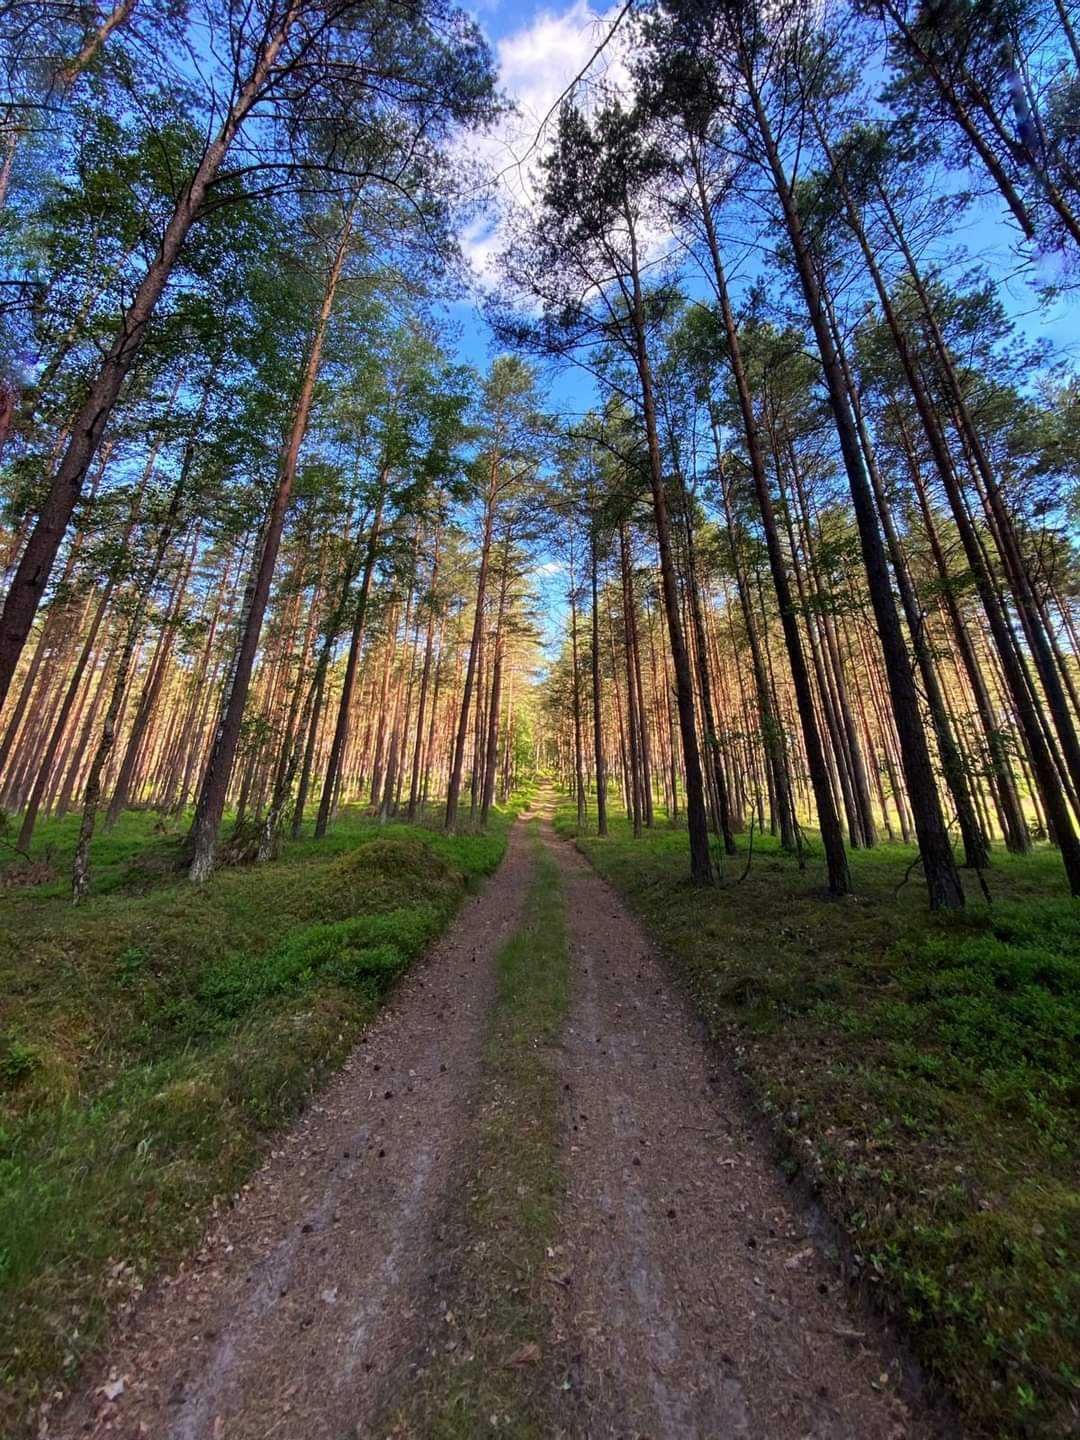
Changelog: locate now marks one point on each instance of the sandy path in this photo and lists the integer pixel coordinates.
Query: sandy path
(700, 1305)
(304, 1298)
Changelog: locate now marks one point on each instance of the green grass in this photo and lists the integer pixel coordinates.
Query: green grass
(496, 1374)
(141, 848)
(151, 1039)
(924, 1072)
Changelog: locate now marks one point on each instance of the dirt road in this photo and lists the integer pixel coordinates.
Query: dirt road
(308, 1293)
(702, 1305)
(695, 1299)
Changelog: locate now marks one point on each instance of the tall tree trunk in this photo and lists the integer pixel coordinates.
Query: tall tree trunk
(579, 755)
(597, 698)
(200, 693)
(634, 802)
(425, 680)
(300, 713)
(80, 872)
(453, 792)
(976, 849)
(59, 724)
(381, 724)
(1023, 703)
(429, 750)
(637, 694)
(701, 868)
(398, 723)
(840, 697)
(828, 820)
(1004, 532)
(215, 786)
(491, 756)
(479, 730)
(35, 566)
(151, 690)
(491, 745)
(309, 725)
(770, 729)
(153, 681)
(58, 618)
(939, 864)
(712, 739)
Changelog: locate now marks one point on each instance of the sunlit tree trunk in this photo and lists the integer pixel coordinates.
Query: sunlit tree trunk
(939, 865)
(701, 868)
(828, 820)
(215, 786)
(453, 792)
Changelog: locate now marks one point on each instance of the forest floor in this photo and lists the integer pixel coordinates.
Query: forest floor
(535, 1202)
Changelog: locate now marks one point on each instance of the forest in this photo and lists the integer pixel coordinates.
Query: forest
(705, 543)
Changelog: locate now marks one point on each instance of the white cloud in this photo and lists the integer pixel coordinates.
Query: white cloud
(536, 64)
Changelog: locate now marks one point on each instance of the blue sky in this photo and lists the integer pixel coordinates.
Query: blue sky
(539, 49)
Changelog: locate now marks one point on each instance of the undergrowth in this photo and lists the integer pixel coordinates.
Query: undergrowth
(152, 1037)
(923, 1071)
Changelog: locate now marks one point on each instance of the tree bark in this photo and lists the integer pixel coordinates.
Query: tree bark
(828, 820)
(634, 800)
(356, 640)
(1042, 761)
(453, 791)
(701, 867)
(597, 698)
(425, 680)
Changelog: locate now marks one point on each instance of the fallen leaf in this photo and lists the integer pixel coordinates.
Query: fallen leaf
(529, 1354)
(114, 1389)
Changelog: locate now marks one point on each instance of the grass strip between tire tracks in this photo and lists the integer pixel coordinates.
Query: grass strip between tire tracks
(494, 1370)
